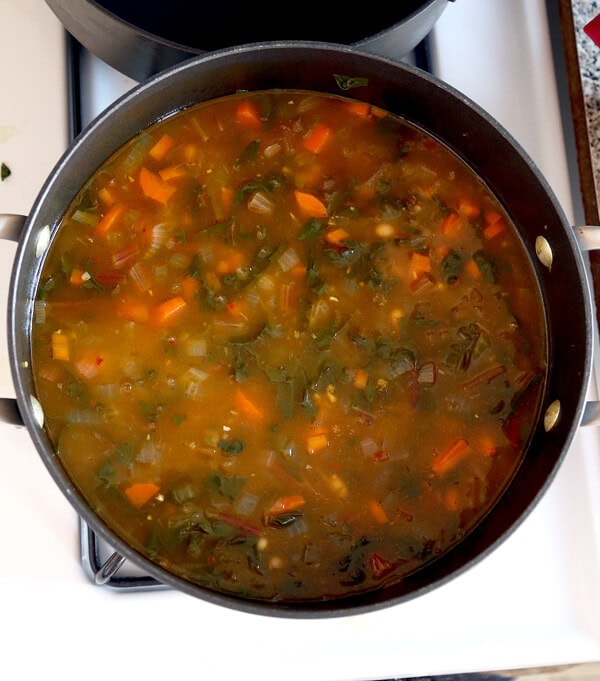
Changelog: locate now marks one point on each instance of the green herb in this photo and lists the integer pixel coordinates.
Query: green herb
(4, 171)
(307, 404)
(178, 419)
(240, 369)
(349, 255)
(451, 266)
(125, 452)
(46, 287)
(285, 399)
(349, 82)
(283, 519)
(311, 230)
(105, 474)
(180, 236)
(442, 206)
(314, 281)
(485, 266)
(91, 282)
(232, 447)
(265, 185)
(225, 485)
(249, 154)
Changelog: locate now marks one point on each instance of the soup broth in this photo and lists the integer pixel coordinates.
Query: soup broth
(288, 346)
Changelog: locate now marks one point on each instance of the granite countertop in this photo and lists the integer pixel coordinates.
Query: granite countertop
(585, 98)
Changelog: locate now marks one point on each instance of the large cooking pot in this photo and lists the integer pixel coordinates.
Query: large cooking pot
(141, 38)
(443, 112)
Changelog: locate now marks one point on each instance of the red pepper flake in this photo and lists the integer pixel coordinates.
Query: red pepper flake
(99, 360)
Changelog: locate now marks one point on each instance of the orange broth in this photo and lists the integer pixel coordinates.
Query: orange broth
(288, 346)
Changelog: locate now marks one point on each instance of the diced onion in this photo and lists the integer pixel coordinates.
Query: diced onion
(196, 347)
(260, 203)
(369, 446)
(150, 452)
(246, 504)
(140, 276)
(39, 311)
(297, 528)
(288, 259)
(85, 217)
(158, 237)
(427, 373)
(180, 261)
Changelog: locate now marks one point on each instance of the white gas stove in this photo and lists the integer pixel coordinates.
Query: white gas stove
(534, 602)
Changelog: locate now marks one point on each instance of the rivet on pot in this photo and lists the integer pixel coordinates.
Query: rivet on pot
(42, 242)
(551, 415)
(38, 412)
(543, 251)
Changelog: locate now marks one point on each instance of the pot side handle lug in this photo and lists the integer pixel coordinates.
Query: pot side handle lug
(9, 412)
(588, 238)
(11, 226)
(591, 414)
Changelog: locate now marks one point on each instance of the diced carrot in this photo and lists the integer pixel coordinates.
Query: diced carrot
(162, 147)
(286, 504)
(317, 138)
(298, 270)
(361, 109)
(491, 216)
(172, 172)
(60, 346)
(494, 229)
(451, 225)
(377, 511)
(247, 114)
(189, 287)
(315, 443)
(169, 309)
(360, 378)
(140, 493)
(419, 265)
(133, 310)
(472, 270)
(468, 208)
(310, 205)
(154, 187)
(76, 277)
(247, 406)
(335, 236)
(451, 456)
(109, 220)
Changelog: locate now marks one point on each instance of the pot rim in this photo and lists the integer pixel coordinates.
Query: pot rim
(18, 321)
